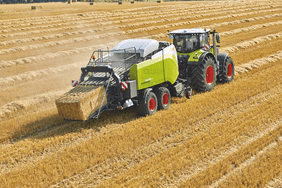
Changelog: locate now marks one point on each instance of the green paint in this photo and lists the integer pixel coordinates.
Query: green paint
(171, 68)
(155, 71)
(192, 55)
(211, 50)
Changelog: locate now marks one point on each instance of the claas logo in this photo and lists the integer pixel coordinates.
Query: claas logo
(152, 71)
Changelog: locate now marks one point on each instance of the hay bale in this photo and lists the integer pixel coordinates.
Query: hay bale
(80, 102)
(36, 7)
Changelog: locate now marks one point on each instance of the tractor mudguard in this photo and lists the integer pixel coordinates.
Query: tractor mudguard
(221, 57)
(143, 94)
(201, 58)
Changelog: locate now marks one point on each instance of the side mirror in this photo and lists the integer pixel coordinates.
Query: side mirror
(217, 38)
(170, 36)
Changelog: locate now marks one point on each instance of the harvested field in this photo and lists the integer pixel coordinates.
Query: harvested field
(229, 137)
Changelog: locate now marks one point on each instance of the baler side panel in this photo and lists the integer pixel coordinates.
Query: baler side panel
(163, 67)
(148, 73)
(170, 64)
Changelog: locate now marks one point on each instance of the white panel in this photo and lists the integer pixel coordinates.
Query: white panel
(159, 54)
(142, 46)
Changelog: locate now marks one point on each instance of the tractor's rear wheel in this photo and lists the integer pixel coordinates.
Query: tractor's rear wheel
(204, 75)
(226, 70)
(147, 104)
(164, 97)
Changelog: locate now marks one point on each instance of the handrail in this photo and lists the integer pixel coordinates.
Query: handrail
(100, 49)
(110, 58)
(96, 117)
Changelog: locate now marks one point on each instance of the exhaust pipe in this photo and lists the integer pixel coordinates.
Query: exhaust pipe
(214, 45)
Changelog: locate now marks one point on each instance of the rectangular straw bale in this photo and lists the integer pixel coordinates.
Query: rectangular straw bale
(36, 7)
(80, 102)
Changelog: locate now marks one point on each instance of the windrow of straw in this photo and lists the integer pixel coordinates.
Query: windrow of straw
(222, 24)
(85, 31)
(42, 57)
(144, 29)
(88, 17)
(88, 21)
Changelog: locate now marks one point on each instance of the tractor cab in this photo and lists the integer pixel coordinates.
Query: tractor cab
(190, 40)
(190, 44)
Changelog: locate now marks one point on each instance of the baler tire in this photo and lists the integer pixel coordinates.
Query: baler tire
(164, 97)
(204, 75)
(226, 71)
(147, 105)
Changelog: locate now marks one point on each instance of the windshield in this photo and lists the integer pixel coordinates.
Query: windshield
(186, 43)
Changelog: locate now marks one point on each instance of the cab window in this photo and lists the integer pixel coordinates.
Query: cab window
(186, 43)
(204, 39)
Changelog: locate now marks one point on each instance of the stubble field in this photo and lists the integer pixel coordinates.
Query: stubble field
(229, 137)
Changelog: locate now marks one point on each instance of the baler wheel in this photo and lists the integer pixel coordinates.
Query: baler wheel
(226, 71)
(147, 105)
(164, 97)
(204, 75)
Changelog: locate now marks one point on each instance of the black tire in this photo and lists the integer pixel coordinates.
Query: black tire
(164, 97)
(226, 71)
(204, 75)
(147, 105)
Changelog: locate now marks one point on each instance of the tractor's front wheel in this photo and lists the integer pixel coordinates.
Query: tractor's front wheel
(226, 70)
(204, 75)
(147, 104)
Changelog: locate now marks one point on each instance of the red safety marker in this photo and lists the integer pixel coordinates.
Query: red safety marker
(124, 85)
(74, 83)
(207, 46)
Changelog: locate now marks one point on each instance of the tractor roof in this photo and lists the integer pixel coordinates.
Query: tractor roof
(142, 46)
(190, 31)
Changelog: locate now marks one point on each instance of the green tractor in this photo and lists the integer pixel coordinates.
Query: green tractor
(199, 61)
